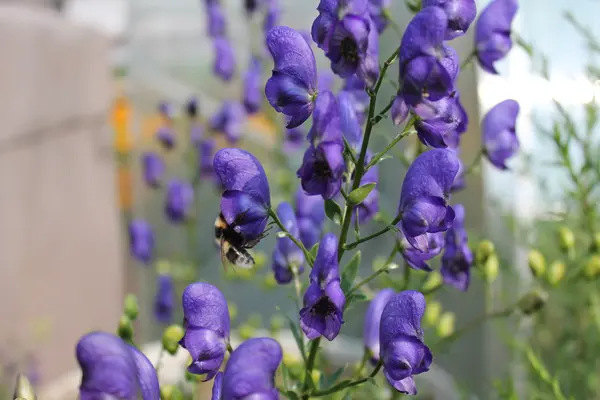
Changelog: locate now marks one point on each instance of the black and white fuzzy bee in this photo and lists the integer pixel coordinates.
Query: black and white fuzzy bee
(233, 244)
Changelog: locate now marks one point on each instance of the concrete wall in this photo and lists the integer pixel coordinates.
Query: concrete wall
(61, 271)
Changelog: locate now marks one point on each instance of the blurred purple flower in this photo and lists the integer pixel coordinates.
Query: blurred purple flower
(251, 6)
(164, 299)
(153, 168)
(459, 181)
(460, 13)
(196, 134)
(325, 81)
(229, 120)
(206, 153)
(310, 214)
(355, 87)
(373, 320)
(179, 200)
(166, 137)
(376, 12)
(294, 138)
(350, 122)
(370, 205)
(493, 33)
(272, 15)
(252, 87)
(224, 65)
(191, 107)
(215, 20)
(141, 241)
(166, 109)
(417, 259)
(217, 388)
(458, 258)
(499, 135)
(287, 257)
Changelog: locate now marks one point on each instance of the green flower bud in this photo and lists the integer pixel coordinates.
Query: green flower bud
(163, 267)
(171, 392)
(315, 375)
(532, 301)
(595, 246)
(556, 272)
(433, 312)
(592, 267)
(233, 311)
(270, 282)
(276, 323)
(130, 305)
(171, 337)
(445, 326)
(245, 274)
(255, 321)
(413, 5)
(491, 268)
(566, 239)
(23, 388)
(484, 250)
(434, 280)
(246, 331)
(537, 263)
(125, 329)
(260, 260)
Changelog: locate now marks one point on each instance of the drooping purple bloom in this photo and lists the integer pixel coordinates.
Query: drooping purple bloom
(464, 118)
(330, 12)
(350, 122)
(224, 64)
(417, 259)
(191, 107)
(250, 371)
(166, 137)
(141, 241)
(438, 121)
(229, 120)
(246, 198)
(272, 15)
(287, 257)
(493, 32)
(370, 205)
(153, 168)
(179, 200)
(206, 152)
(377, 13)
(458, 258)
(164, 299)
(252, 87)
(323, 164)
(294, 138)
(215, 20)
(217, 388)
(113, 369)
(424, 196)
(400, 110)
(401, 339)
(499, 135)
(324, 299)
(292, 89)
(460, 13)
(206, 323)
(372, 322)
(310, 214)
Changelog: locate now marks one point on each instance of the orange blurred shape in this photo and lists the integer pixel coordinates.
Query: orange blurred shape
(121, 113)
(260, 123)
(150, 125)
(125, 188)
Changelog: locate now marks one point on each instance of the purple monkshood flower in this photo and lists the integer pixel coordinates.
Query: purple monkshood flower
(360, 98)
(424, 196)
(417, 259)
(246, 197)
(191, 107)
(323, 165)
(325, 81)
(493, 31)
(372, 322)
(179, 200)
(229, 120)
(217, 388)
(252, 87)
(330, 12)
(294, 138)
(370, 205)
(250, 371)
(206, 152)
(324, 299)
(401, 339)
(224, 65)
(166, 109)
(196, 134)
(460, 13)
(164, 300)
(206, 323)
(376, 12)
(215, 20)
(272, 15)
(499, 133)
(292, 89)
(153, 168)
(459, 181)
(113, 369)
(310, 214)
(141, 241)
(166, 137)
(287, 257)
(428, 68)
(350, 122)
(458, 258)
(438, 121)
(251, 6)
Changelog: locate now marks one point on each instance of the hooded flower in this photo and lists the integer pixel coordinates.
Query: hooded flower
(179, 200)
(294, 138)
(459, 181)
(324, 299)
(246, 198)
(141, 241)
(191, 107)
(287, 256)
(330, 12)
(350, 122)
(493, 31)
(164, 300)
(224, 65)
(206, 323)
(310, 214)
(323, 164)
(166, 137)
(377, 13)
(252, 87)
(424, 196)
(229, 120)
(251, 6)
(401, 339)
(355, 87)
(292, 89)
(438, 121)
(215, 20)
(457, 259)
(498, 128)
(113, 369)
(206, 152)
(372, 322)
(460, 13)
(417, 259)
(370, 205)
(250, 371)
(153, 168)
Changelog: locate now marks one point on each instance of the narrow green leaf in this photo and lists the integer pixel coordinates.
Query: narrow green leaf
(291, 395)
(297, 337)
(355, 298)
(358, 195)
(350, 271)
(333, 211)
(333, 377)
(313, 251)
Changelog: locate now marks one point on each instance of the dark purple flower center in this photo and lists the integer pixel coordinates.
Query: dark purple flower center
(349, 50)
(251, 5)
(323, 307)
(321, 167)
(458, 264)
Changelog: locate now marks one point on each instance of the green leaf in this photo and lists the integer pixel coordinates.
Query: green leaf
(350, 271)
(290, 394)
(297, 337)
(525, 46)
(333, 211)
(356, 297)
(332, 378)
(313, 251)
(358, 195)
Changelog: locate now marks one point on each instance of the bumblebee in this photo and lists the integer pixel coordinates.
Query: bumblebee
(233, 244)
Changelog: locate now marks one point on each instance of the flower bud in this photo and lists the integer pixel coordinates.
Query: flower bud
(131, 308)
(246, 331)
(491, 268)
(532, 301)
(276, 323)
(592, 267)
(316, 376)
(445, 325)
(171, 337)
(125, 329)
(537, 263)
(484, 250)
(270, 282)
(434, 280)
(433, 312)
(556, 272)
(566, 239)
(170, 392)
(289, 360)
(24, 388)
(413, 5)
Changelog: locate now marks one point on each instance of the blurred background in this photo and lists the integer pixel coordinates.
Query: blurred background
(80, 82)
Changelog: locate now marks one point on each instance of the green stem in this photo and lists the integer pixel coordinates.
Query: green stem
(160, 358)
(468, 60)
(375, 274)
(408, 131)
(475, 163)
(383, 112)
(406, 281)
(350, 151)
(392, 225)
(432, 290)
(392, 23)
(344, 385)
(310, 364)
(307, 255)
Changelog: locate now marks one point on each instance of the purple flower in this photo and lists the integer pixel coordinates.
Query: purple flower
(325, 81)
(401, 338)
(459, 181)
(294, 138)
(229, 120)
(417, 259)
(251, 6)
(460, 13)
(499, 134)
(324, 299)
(330, 11)
(217, 388)
(350, 122)
(141, 241)
(179, 200)
(113, 369)
(400, 110)
(370, 205)
(250, 371)
(458, 258)
(272, 15)
(164, 300)
(310, 214)
(216, 20)
(323, 164)
(191, 107)
(206, 152)
(166, 137)
(287, 257)
(360, 98)
(376, 12)
(438, 121)
(206, 323)
(424, 197)
(252, 87)
(246, 198)
(372, 322)
(153, 168)
(166, 109)
(292, 89)
(492, 32)
(196, 134)
(224, 65)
